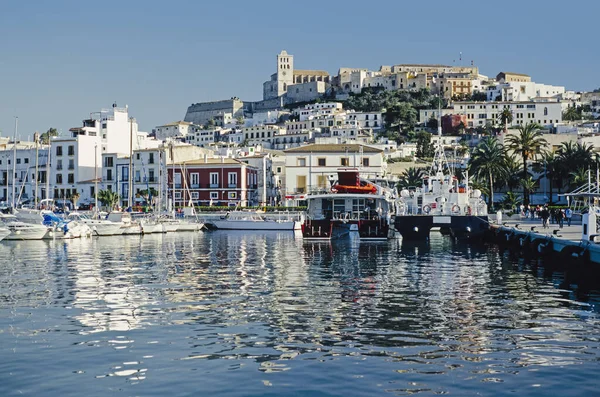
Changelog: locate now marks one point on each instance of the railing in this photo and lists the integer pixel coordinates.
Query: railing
(213, 185)
(152, 179)
(233, 185)
(195, 185)
(71, 167)
(59, 167)
(109, 178)
(138, 179)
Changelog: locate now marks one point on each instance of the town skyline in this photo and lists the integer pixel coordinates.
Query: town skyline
(63, 61)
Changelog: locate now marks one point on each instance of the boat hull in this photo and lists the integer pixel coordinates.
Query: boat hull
(253, 225)
(418, 227)
(34, 233)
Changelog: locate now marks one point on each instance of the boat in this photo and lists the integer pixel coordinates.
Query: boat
(442, 201)
(151, 225)
(130, 226)
(354, 207)
(250, 220)
(4, 232)
(65, 228)
(22, 230)
(99, 226)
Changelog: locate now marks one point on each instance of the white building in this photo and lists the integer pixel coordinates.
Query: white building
(312, 167)
(478, 114)
(204, 137)
(523, 91)
(21, 172)
(263, 162)
(177, 129)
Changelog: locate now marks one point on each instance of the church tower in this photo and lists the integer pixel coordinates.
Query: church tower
(285, 72)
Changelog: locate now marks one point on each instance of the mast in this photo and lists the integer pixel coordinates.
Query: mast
(96, 177)
(14, 173)
(35, 193)
(172, 178)
(130, 195)
(48, 170)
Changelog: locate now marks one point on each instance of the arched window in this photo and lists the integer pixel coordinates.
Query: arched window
(545, 111)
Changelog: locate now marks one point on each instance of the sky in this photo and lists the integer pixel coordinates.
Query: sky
(62, 60)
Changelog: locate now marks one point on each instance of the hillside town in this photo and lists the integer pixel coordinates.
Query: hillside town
(508, 131)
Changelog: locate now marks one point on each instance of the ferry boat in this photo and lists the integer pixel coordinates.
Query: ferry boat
(442, 201)
(354, 207)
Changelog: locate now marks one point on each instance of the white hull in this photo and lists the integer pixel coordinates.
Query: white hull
(152, 227)
(26, 232)
(189, 227)
(106, 229)
(132, 229)
(254, 225)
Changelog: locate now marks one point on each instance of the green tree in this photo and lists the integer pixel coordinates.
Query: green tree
(147, 194)
(45, 137)
(425, 148)
(108, 198)
(411, 177)
(529, 185)
(571, 114)
(526, 142)
(505, 117)
(487, 163)
(432, 123)
(510, 200)
(401, 115)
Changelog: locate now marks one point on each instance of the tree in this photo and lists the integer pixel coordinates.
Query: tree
(400, 115)
(108, 198)
(505, 117)
(432, 123)
(529, 186)
(571, 114)
(411, 177)
(510, 200)
(74, 197)
(573, 156)
(478, 96)
(240, 121)
(487, 163)
(147, 194)
(45, 137)
(425, 148)
(549, 168)
(527, 142)
(578, 178)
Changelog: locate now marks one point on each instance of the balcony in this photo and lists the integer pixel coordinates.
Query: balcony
(213, 185)
(152, 179)
(232, 185)
(109, 178)
(71, 167)
(195, 185)
(59, 167)
(138, 179)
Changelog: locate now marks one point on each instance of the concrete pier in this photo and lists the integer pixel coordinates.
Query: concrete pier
(529, 235)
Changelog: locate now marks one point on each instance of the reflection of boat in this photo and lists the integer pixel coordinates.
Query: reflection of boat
(354, 207)
(250, 220)
(4, 232)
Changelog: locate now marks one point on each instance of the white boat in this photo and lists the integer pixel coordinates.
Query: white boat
(249, 220)
(22, 230)
(170, 224)
(130, 226)
(59, 228)
(150, 225)
(100, 227)
(187, 226)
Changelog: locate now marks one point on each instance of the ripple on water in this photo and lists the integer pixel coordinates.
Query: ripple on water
(154, 314)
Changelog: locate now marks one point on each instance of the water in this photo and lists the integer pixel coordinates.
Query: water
(226, 313)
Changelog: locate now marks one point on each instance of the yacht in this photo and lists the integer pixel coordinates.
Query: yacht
(353, 208)
(100, 227)
(130, 226)
(250, 220)
(21, 230)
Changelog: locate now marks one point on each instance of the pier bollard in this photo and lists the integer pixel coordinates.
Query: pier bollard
(590, 227)
(499, 218)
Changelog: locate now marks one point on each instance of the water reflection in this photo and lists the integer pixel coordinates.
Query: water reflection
(391, 316)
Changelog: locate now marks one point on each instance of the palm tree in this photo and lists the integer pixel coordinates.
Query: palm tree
(529, 184)
(527, 142)
(487, 162)
(505, 117)
(510, 200)
(411, 177)
(572, 156)
(578, 177)
(571, 114)
(108, 198)
(74, 197)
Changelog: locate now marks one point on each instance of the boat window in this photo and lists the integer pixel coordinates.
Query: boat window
(339, 205)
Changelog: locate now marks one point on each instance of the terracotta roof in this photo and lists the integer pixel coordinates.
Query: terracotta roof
(333, 148)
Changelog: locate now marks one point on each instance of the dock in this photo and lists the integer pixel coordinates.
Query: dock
(564, 243)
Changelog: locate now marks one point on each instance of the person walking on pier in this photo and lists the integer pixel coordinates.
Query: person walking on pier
(561, 218)
(568, 215)
(545, 214)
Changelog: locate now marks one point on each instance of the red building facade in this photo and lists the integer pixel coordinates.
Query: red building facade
(221, 181)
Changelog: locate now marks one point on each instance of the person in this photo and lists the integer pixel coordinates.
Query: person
(568, 215)
(561, 218)
(545, 214)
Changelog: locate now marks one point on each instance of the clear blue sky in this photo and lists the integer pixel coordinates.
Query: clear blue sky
(61, 60)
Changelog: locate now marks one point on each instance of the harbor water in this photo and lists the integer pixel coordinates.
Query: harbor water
(265, 314)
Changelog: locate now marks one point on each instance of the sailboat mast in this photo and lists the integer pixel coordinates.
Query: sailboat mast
(35, 192)
(130, 195)
(48, 171)
(96, 177)
(14, 184)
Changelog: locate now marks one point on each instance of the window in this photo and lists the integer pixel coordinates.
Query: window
(26, 160)
(177, 195)
(92, 191)
(214, 179)
(18, 161)
(344, 161)
(301, 162)
(232, 195)
(195, 196)
(71, 150)
(321, 162)
(109, 175)
(232, 177)
(365, 162)
(71, 178)
(137, 156)
(71, 164)
(58, 178)
(278, 170)
(195, 179)
(150, 158)
(177, 179)
(214, 195)
(545, 111)
(108, 161)
(59, 150)
(59, 164)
